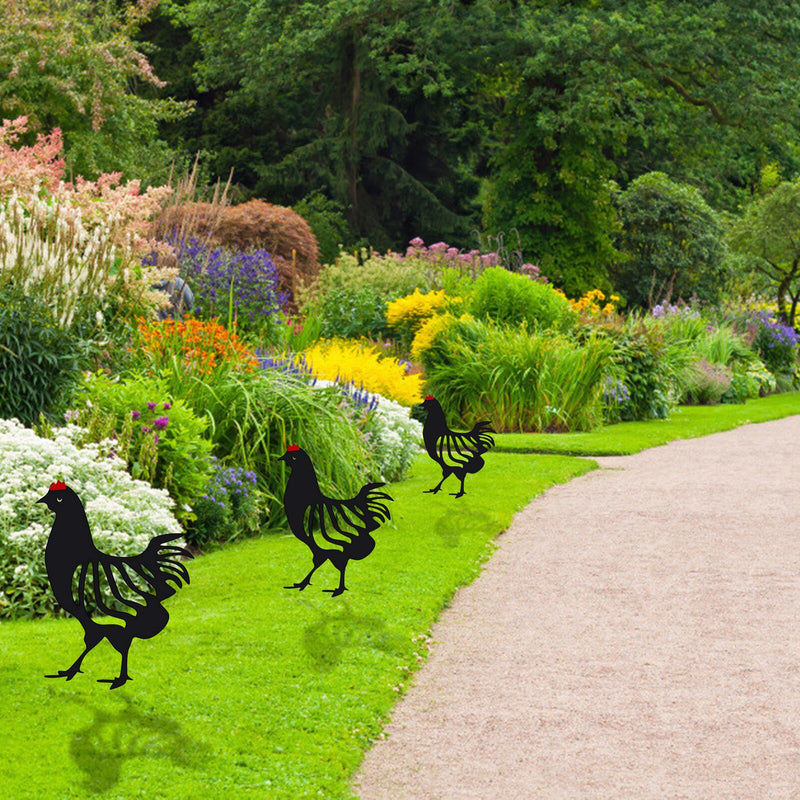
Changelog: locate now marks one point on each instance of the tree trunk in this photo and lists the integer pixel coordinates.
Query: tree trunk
(353, 144)
(785, 316)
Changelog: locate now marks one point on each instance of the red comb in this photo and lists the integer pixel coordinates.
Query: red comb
(58, 486)
(429, 397)
(292, 448)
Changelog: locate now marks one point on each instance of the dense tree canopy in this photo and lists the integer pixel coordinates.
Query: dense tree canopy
(671, 243)
(398, 118)
(371, 102)
(73, 64)
(768, 236)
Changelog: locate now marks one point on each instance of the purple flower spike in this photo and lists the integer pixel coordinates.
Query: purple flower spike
(145, 429)
(136, 414)
(151, 406)
(161, 423)
(167, 406)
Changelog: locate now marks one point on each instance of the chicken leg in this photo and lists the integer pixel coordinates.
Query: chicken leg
(91, 639)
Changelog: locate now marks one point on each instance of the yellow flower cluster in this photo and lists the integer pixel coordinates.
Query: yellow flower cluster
(406, 314)
(427, 333)
(360, 362)
(596, 303)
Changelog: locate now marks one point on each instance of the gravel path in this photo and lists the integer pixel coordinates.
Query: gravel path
(635, 636)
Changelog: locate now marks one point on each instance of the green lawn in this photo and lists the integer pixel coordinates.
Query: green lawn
(253, 691)
(687, 422)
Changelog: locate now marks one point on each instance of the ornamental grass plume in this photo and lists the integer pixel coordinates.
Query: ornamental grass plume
(49, 251)
(361, 363)
(73, 245)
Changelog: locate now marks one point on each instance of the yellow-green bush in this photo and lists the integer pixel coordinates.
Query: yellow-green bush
(427, 333)
(405, 315)
(362, 363)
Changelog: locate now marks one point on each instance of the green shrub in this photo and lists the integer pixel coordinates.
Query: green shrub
(349, 297)
(39, 362)
(752, 379)
(672, 242)
(388, 275)
(328, 223)
(511, 298)
(652, 369)
(353, 313)
(159, 438)
(517, 379)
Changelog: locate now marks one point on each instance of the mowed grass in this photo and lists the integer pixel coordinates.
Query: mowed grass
(625, 438)
(254, 691)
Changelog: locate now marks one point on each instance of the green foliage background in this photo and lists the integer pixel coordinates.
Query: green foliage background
(389, 119)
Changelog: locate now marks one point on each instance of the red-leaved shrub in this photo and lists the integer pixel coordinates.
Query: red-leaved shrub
(255, 224)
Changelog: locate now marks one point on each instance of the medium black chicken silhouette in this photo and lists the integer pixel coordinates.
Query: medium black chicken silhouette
(334, 530)
(140, 583)
(456, 453)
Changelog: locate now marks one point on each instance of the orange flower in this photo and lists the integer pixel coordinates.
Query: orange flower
(199, 346)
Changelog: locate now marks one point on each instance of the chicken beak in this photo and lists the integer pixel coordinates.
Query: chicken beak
(42, 499)
(281, 458)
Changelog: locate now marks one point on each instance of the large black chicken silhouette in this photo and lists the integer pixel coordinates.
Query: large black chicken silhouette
(334, 530)
(139, 584)
(456, 453)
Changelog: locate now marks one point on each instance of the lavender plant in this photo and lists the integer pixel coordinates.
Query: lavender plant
(776, 344)
(231, 284)
(229, 507)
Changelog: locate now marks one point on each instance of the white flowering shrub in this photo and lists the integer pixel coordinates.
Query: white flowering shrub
(393, 437)
(124, 514)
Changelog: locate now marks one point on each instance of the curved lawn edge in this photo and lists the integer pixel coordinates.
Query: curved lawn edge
(255, 691)
(626, 438)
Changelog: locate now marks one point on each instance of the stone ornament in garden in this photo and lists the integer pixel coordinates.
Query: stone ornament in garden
(138, 584)
(334, 530)
(456, 453)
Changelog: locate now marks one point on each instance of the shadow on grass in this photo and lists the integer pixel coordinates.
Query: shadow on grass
(450, 525)
(113, 737)
(327, 638)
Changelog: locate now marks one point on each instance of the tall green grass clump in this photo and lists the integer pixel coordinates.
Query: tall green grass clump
(254, 416)
(511, 298)
(253, 411)
(520, 380)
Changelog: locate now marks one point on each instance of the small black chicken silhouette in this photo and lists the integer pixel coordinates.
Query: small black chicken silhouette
(334, 530)
(140, 583)
(456, 453)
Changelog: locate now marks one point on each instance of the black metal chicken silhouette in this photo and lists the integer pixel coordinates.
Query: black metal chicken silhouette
(334, 530)
(456, 453)
(139, 584)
